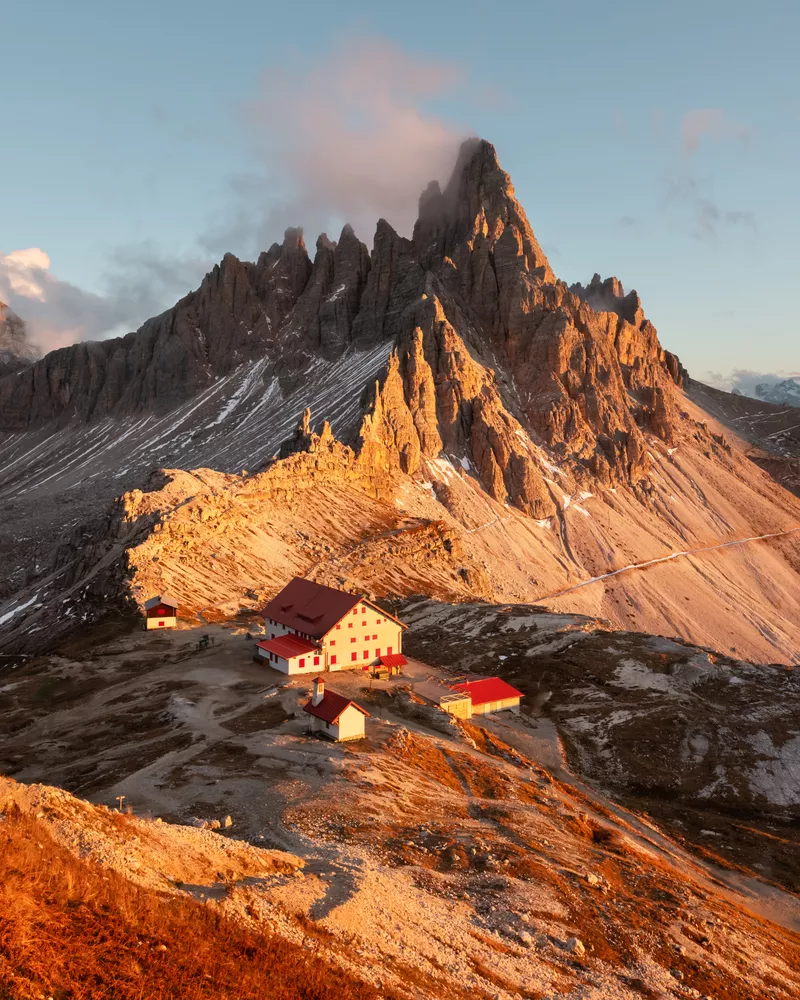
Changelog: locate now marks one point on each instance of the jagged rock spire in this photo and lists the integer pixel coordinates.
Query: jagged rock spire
(477, 204)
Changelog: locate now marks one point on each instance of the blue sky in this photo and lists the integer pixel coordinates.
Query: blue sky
(656, 142)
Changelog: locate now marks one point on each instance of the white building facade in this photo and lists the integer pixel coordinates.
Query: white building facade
(311, 628)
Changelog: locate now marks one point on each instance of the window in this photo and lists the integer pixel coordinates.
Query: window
(349, 624)
(338, 626)
(160, 623)
(327, 725)
(302, 662)
(353, 657)
(388, 650)
(366, 654)
(353, 639)
(375, 636)
(355, 611)
(363, 611)
(333, 642)
(377, 652)
(377, 621)
(316, 661)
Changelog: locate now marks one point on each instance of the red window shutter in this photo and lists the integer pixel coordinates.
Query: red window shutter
(338, 626)
(366, 654)
(353, 639)
(316, 661)
(354, 656)
(377, 652)
(349, 624)
(388, 650)
(160, 623)
(333, 642)
(302, 662)
(333, 659)
(364, 623)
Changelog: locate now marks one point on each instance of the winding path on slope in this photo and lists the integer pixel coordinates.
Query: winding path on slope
(664, 559)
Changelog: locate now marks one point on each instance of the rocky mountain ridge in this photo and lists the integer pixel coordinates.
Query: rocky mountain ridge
(453, 367)
(16, 350)
(487, 342)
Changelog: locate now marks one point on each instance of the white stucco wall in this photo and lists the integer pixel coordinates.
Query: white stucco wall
(349, 727)
(156, 623)
(511, 704)
(372, 631)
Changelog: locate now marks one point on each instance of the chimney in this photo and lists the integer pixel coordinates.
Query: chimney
(319, 691)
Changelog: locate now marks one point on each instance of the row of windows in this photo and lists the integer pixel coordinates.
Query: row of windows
(353, 657)
(355, 639)
(378, 621)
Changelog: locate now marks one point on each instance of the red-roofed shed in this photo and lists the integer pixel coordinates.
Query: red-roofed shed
(490, 694)
(333, 715)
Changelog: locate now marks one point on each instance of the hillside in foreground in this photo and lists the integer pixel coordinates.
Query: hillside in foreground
(621, 837)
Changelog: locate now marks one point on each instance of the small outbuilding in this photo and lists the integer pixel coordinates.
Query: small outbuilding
(161, 612)
(489, 694)
(333, 715)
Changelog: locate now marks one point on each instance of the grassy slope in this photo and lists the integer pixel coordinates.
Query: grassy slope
(69, 929)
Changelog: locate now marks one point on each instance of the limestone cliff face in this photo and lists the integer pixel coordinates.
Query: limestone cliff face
(493, 361)
(16, 351)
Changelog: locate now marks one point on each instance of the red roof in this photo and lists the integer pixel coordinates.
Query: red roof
(487, 689)
(288, 646)
(394, 660)
(331, 707)
(309, 607)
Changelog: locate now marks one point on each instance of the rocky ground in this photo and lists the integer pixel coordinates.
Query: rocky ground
(707, 744)
(439, 859)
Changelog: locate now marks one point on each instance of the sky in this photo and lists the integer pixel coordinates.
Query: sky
(656, 142)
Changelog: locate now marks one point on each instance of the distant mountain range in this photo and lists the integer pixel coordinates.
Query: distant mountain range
(785, 393)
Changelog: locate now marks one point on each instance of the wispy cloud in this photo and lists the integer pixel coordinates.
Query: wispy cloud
(745, 380)
(351, 139)
(140, 282)
(707, 218)
(686, 190)
(702, 123)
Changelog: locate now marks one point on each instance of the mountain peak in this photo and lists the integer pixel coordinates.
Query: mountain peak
(16, 351)
(477, 204)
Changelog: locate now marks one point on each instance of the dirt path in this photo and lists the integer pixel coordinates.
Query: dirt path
(663, 559)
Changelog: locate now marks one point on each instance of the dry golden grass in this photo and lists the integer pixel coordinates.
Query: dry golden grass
(73, 931)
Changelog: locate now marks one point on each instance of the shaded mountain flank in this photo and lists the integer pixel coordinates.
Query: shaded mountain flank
(16, 350)
(530, 438)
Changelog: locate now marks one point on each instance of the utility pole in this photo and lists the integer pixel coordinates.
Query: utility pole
(120, 799)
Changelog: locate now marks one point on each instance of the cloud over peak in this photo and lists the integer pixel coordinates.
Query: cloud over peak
(351, 139)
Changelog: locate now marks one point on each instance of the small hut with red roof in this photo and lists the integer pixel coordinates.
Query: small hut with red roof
(488, 694)
(333, 715)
